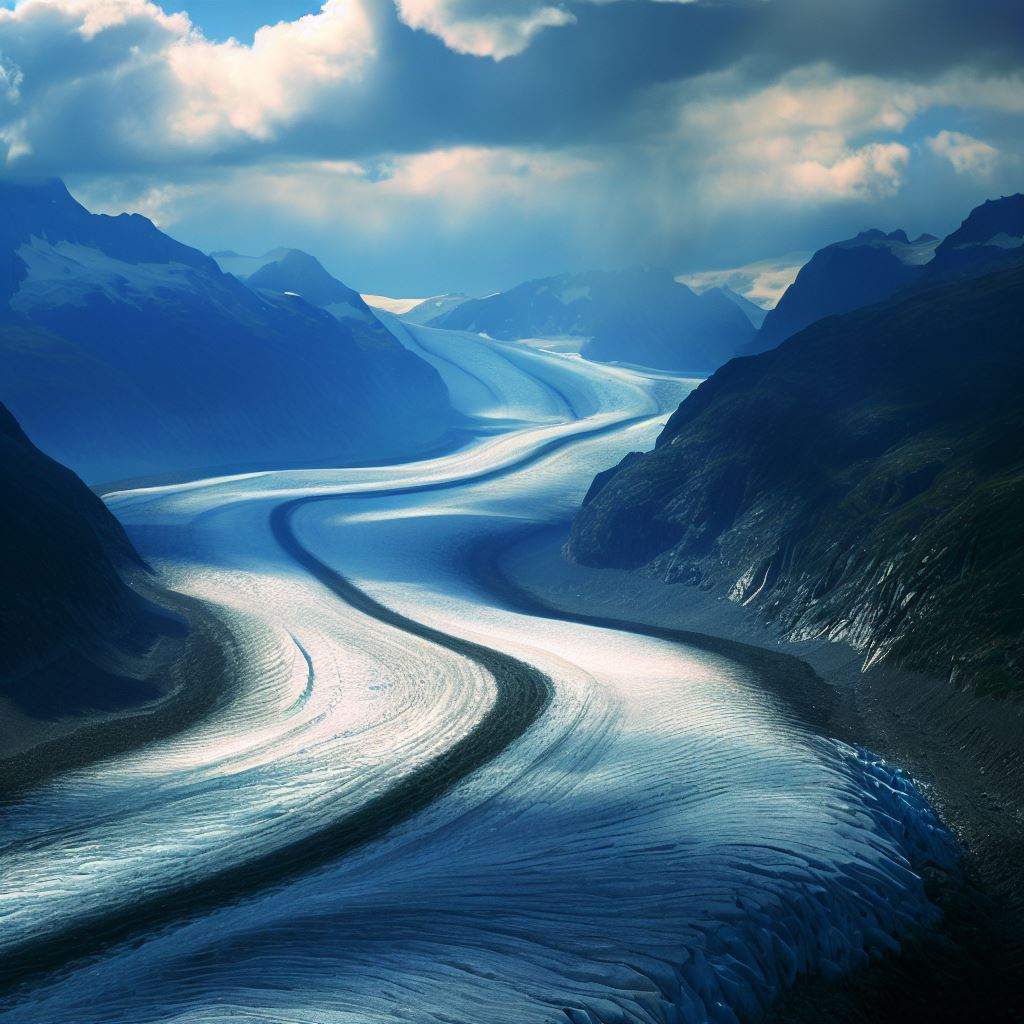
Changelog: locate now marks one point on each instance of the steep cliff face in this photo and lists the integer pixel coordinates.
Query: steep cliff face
(874, 266)
(842, 277)
(65, 608)
(990, 238)
(862, 482)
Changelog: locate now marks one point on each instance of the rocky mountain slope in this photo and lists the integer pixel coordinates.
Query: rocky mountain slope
(873, 266)
(65, 608)
(298, 273)
(124, 353)
(862, 482)
(639, 316)
(845, 276)
(991, 237)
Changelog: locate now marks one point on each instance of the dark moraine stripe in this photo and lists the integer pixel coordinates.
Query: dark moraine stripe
(523, 694)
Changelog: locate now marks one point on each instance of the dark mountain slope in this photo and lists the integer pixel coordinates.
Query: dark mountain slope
(991, 237)
(64, 605)
(47, 211)
(862, 482)
(842, 277)
(302, 274)
(168, 364)
(641, 316)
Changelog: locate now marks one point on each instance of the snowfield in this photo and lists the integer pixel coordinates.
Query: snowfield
(661, 842)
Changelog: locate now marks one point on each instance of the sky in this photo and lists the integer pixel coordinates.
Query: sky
(424, 146)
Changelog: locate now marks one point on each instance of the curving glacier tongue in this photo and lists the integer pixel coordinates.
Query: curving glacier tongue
(665, 842)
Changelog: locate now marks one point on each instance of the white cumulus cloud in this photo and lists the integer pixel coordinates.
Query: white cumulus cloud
(123, 81)
(495, 30)
(967, 154)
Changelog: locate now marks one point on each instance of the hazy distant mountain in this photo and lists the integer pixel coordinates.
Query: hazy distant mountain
(298, 273)
(243, 266)
(845, 276)
(124, 352)
(416, 311)
(862, 482)
(434, 307)
(64, 605)
(637, 316)
(762, 282)
(753, 312)
(991, 237)
(387, 304)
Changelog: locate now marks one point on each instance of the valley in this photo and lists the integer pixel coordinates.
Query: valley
(375, 670)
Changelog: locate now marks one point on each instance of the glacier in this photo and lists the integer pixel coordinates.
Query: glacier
(666, 842)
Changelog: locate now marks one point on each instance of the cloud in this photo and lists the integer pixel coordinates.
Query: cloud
(763, 282)
(967, 154)
(138, 85)
(872, 170)
(286, 72)
(448, 187)
(403, 225)
(493, 30)
(814, 135)
(548, 133)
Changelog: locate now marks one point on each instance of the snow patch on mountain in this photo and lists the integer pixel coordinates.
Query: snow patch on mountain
(390, 305)
(1001, 241)
(243, 266)
(66, 273)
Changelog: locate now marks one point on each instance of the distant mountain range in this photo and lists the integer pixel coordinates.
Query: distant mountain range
(174, 365)
(862, 481)
(243, 266)
(292, 271)
(641, 315)
(761, 283)
(753, 312)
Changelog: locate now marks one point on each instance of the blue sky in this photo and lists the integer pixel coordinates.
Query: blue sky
(419, 146)
(221, 19)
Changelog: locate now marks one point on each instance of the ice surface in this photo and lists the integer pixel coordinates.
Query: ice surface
(666, 843)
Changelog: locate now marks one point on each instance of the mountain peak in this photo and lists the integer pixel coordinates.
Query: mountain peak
(45, 188)
(877, 235)
(301, 274)
(1004, 216)
(43, 212)
(42, 203)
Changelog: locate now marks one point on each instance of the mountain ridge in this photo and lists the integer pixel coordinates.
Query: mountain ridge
(177, 365)
(874, 264)
(641, 315)
(859, 483)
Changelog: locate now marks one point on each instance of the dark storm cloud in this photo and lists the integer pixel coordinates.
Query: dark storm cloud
(590, 81)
